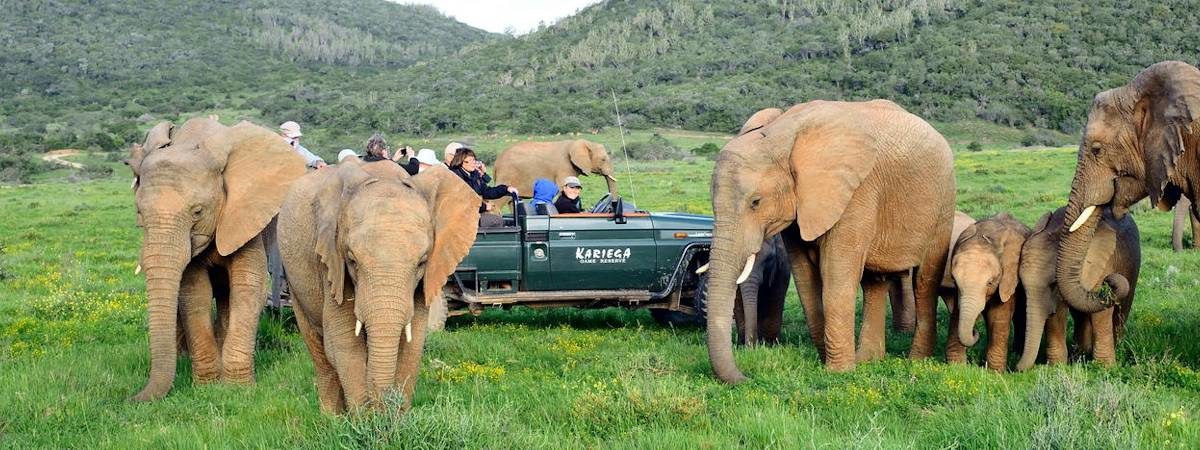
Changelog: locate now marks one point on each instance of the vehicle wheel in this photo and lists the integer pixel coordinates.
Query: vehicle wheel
(438, 312)
(668, 318)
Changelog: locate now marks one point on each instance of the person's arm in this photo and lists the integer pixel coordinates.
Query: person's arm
(565, 205)
(310, 159)
(412, 167)
(494, 192)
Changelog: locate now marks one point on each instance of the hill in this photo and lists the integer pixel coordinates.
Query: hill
(707, 65)
(91, 74)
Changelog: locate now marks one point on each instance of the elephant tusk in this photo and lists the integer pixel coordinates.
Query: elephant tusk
(702, 269)
(357, 327)
(137, 270)
(408, 332)
(134, 183)
(746, 270)
(610, 177)
(1087, 213)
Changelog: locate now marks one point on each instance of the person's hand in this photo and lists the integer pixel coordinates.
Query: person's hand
(320, 164)
(513, 190)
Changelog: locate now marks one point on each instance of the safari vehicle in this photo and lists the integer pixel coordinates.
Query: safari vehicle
(613, 255)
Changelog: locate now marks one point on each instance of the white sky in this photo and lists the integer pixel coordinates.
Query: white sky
(496, 15)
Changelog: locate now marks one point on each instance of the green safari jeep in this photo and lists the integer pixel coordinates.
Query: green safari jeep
(614, 255)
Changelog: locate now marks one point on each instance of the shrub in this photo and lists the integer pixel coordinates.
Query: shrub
(708, 150)
(656, 149)
(974, 146)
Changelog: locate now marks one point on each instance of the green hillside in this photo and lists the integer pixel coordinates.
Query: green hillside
(709, 64)
(92, 74)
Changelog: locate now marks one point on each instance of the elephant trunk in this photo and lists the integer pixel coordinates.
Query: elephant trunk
(1082, 216)
(387, 309)
(725, 262)
(1039, 306)
(612, 183)
(1118, 284)
(166, 251)
(969, 308)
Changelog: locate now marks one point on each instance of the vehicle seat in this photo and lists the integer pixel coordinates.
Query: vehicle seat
(525, 209)
(544, 209)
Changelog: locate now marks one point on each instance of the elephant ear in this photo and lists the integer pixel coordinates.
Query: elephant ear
(1168, 102)
(1042, 223)
(455, 213)
(338, 188)
(1010, 262)
(760, 119)
(158, 137)
(581, 156)
(1096, 264)
(828, 165)
(259, 167)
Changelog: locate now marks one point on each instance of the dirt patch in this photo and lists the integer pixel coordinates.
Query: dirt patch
(56, 157)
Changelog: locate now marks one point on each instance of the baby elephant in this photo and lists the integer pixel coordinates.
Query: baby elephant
(985, 270)
(758, 311)
(1113, 257)
(367, 249)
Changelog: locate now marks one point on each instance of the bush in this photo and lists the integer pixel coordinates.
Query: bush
(974, 146)
(708, 150)
(656, 149)
(1037, 136)
(20, 167)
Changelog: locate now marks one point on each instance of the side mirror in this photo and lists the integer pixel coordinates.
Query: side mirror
(618, 209)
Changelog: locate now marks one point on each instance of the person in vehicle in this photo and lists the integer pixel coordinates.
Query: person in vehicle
(377, 149)
(471, 171)
(424, 159)
(570, 201)
(543, 192)
(346, 153)
(291, 134)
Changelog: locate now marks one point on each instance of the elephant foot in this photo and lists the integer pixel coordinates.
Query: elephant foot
(956, 358)
(205, 378)
(843, 365)
(871, 353)
(919, 353)
(239, 378)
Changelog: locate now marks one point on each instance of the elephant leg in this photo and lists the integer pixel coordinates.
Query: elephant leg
(956, 352)
(329, 388)
(929, 279)
(196, 297)
(871, 345)
(1056, 335)
(221, 296)
(808, 287)
(1120, 316)
(999, 325)
(409, 369)
(1083, 335)
(770, 310)
(1195, 226)
(347, 352)
(1104, 347)
(904, 311)
(1181, 213)
(841, 272)
(247, 295)
(749, 307)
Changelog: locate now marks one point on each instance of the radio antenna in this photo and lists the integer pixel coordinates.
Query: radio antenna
(624, 150)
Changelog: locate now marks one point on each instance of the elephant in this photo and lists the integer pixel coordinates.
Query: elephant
(1184, 212)
(367, 250)
(1140, 140)
(986, 266)
(852, 187)
(901, 294)
(1114, 254)
(204, 194)
(524, 162)
(759, 310)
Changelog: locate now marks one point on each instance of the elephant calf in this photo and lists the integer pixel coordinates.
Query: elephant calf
(1114, 256)
(985, 267)
(367, 250)
(759, 310)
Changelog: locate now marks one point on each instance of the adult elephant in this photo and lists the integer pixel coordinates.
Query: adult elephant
(204, 194)
(1185, 214)
(852, 186)
(367, 250)
(1140, 140)
(524, 162)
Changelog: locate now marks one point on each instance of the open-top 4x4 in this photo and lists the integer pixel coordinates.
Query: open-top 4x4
(614, 255)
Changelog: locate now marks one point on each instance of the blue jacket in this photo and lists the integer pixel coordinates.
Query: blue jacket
(544, 191)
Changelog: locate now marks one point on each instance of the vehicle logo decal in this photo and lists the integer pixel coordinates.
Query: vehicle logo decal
(602, 255)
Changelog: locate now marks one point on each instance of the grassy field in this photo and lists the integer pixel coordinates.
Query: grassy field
(73, 347)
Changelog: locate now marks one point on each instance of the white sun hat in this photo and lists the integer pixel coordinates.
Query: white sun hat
(346, 153)
(290, 129)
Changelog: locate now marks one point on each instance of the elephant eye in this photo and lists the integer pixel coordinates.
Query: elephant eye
(754, 202)
(197, 210)
(1096, 148)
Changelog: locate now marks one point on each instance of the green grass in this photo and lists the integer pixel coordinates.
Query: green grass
(73, 347)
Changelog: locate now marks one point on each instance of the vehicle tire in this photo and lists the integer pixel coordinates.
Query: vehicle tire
(668, 318)
(438, 312)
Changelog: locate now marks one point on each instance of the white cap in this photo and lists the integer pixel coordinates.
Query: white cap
(290, 129)
(346, 153)
(450, 149)
(427, 156)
